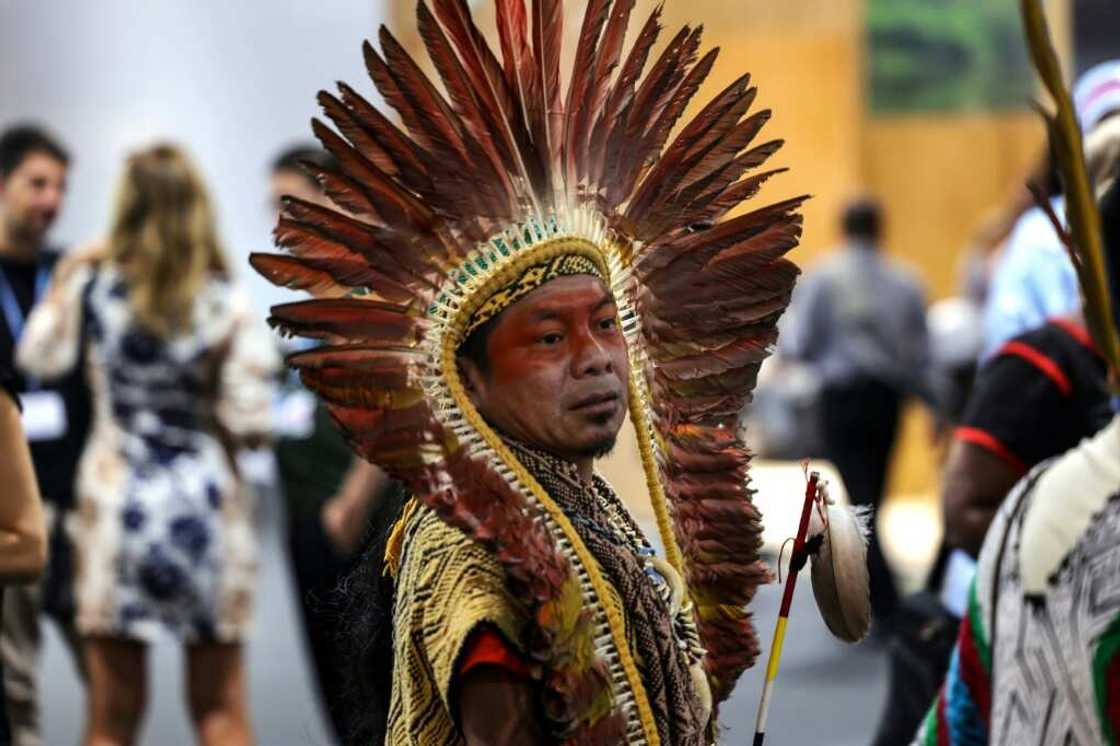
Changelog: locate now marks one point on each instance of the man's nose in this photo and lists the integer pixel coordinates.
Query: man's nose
(51, 200)
(590, 357)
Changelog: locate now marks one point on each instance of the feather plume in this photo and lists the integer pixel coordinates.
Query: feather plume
(296, 274)
(348, 321)
(607, 59)
(478, 119)
(384, 198)
(621, 93)
(409, 159)
(583, 72)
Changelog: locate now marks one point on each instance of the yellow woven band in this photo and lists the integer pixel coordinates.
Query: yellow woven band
(561, 265)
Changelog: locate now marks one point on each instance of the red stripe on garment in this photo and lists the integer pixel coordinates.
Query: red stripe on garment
(942, 722)
(487, 647)
(990, 443)
(1114, 694)
(1040, 360)
(1075, 330)
(972, 671)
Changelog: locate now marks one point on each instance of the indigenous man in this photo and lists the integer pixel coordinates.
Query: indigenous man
(516, 270)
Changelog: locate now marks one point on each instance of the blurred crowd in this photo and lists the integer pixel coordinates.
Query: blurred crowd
(140, 373)
(140, 377)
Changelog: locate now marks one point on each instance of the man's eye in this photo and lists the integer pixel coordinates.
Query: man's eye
(608, 323)
(551, 339)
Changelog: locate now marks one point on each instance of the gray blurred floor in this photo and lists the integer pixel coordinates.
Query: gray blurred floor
(827, 693)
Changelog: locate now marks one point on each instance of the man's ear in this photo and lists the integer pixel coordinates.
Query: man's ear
(474, 380)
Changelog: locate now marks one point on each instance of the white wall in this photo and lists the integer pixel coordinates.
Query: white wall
(233, 80)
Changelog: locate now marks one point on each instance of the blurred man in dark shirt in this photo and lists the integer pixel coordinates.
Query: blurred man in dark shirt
(33, 171)
(330, 494)
(1039, 395)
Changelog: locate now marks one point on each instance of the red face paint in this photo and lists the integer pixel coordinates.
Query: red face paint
(557, 369)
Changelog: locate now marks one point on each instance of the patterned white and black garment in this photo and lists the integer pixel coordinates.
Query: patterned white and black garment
(1038, 657)
(162, 530)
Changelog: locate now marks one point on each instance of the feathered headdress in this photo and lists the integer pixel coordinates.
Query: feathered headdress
(498, 175)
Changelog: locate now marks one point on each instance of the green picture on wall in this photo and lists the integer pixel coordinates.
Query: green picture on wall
(946, 55)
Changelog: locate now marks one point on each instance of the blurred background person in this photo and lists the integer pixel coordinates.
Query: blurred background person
(33, 176)
(1038, 611)
(859, 320)
(23, 535)
(23, 538)
(1036, 396)
(1040, 392)
(329, 493)
(179, 368)
(1033, 279)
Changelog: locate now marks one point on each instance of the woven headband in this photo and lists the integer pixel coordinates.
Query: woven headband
(534, 276)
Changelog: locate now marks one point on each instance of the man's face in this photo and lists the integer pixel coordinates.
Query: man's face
(32, 194)
(557, 370)
(286, 182)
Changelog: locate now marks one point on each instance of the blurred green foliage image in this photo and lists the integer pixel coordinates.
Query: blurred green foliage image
(946, 56)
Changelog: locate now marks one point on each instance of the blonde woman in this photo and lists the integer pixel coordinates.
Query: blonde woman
(179, 371)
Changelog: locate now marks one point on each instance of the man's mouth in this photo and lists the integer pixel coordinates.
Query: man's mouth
(597, 403)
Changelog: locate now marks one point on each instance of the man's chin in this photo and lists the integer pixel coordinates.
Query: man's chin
(600, 448)
(35, 230)
(600, 444)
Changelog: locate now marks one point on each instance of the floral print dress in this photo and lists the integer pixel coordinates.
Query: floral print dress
(162, 529)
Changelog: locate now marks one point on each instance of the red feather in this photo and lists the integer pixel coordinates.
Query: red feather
(583, 71)
(478, 119)
(410, 158)
(622, 93)
(298, 274)
(349, 321)
(366, 144)
(393, 205)
(546, 109)
(609, 54)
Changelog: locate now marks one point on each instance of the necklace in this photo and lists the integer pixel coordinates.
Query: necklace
(621, 529)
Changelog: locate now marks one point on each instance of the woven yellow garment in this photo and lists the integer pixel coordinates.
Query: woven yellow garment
(447, 586)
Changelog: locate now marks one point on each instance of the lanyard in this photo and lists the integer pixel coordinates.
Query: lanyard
(13, 314)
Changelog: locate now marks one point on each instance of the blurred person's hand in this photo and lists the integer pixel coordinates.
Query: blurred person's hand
(344, 521)
(23, 533)
(346, 514)
(88, 253)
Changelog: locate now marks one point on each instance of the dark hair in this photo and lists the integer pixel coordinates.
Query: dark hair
(294, 158)
(473, 348)
(863, 220)
(20, 141)
(365, 636)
